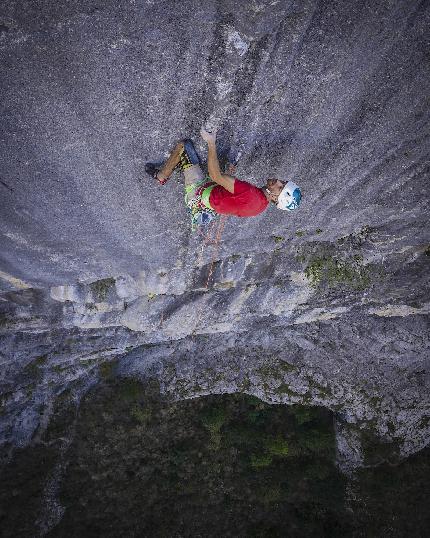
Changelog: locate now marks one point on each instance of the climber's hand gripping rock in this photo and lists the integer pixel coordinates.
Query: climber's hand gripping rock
(208, 136)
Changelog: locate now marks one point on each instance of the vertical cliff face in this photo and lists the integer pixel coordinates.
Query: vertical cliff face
(330, 94)
(100, 274)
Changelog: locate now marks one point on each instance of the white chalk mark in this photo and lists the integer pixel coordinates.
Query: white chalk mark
(236, 41)
(400, 310)
(16, 282)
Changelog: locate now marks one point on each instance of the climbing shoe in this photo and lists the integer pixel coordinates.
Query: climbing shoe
(188, 156)
(152, 170)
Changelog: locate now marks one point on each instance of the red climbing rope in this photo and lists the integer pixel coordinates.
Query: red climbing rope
(216, 243)
(208, 240)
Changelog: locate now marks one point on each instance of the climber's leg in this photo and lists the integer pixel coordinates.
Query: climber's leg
(190, 163)
(171, 163)
(193, 174)
(162, 174)
(184, 156)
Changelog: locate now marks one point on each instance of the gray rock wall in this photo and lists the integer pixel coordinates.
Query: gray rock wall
(327, 306)
(330, 94)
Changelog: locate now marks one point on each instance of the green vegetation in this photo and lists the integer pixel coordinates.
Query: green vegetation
(213, 420)
(275, 370)
(270, 371)
(100, 288)
(245, 385)
(302, 414)
(130, 390)
(226, 465)
(334, 272)
(40, 361)
(366, 230)
(358, 237)
(300, 233)
(33, 368)
(301, 258)
(278, 238)
(285, 389)
(220, 465)
(141, 414)
(259, 461)
(286, 366)
(278, 446)
(106, 370)
(323, 390)
(318, 231)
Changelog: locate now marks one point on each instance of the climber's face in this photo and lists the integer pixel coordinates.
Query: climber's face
(274, 186)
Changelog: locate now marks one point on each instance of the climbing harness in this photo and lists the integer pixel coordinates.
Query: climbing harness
(200, 214)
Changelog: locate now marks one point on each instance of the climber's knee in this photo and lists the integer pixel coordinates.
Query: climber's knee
(193, 174)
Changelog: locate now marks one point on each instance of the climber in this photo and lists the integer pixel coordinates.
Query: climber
(218, 193)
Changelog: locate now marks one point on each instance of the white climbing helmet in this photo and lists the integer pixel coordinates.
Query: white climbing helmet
(290, 197)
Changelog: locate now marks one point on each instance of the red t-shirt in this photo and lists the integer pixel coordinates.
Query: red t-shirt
(246, 201)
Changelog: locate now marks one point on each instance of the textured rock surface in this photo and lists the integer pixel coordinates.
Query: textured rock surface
(330, 94)
(328, 306)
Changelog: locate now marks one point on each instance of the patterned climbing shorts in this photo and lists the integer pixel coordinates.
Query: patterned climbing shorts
(200, 213)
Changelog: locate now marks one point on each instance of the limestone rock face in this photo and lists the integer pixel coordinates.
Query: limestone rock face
(99, 270)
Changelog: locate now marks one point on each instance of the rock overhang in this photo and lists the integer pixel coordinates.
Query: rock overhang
(329, 95)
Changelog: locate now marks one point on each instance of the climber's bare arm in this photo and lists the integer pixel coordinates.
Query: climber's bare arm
(214, 170)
